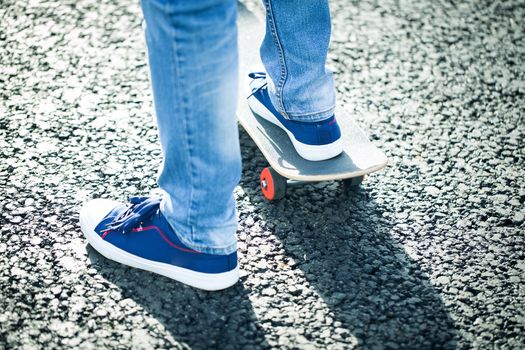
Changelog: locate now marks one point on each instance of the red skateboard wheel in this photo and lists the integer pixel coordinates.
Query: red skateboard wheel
(273, 185)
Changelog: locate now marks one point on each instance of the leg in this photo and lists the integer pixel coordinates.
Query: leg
(192, 50)
(188, 234)
(294, 54)
(296, 92)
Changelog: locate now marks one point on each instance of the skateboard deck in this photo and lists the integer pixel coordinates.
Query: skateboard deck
(359, 156)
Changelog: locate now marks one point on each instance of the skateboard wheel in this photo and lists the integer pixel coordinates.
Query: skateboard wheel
(353, 183)
(273, 185)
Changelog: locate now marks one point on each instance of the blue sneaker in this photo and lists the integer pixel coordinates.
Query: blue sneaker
(312, 140)
(138, 235)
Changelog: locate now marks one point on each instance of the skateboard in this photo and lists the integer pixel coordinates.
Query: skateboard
(359, 156)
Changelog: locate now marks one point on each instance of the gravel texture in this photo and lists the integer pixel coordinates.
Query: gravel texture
(429, 253)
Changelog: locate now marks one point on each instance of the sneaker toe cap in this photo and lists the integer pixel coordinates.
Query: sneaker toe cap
(94, 211)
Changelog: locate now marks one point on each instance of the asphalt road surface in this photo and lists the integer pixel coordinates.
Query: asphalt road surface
(429, 253)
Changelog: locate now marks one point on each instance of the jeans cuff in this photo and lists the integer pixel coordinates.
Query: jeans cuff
(312, 117)
(301, 117)
(187, 235)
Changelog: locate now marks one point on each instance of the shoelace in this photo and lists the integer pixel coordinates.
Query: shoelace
(139, 209)
(257, 75)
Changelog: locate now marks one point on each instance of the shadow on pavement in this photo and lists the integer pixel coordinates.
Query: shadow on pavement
(340, 242)
(343, 245)
(193, 318)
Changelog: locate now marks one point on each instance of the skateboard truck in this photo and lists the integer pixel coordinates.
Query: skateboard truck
(274, 185)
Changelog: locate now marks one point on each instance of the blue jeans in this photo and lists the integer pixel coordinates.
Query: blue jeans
(193, 60)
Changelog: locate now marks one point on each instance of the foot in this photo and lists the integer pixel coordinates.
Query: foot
(312, 140)
(138, 235)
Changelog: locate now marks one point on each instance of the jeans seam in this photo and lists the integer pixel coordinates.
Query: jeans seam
(284, 71)
(187, 143)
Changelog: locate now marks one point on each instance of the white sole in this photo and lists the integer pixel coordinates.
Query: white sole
(309, 152)
(206, 281)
